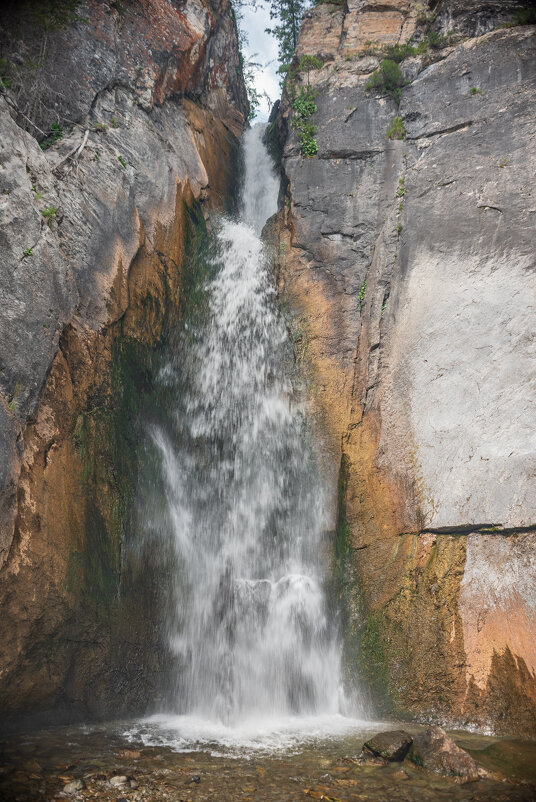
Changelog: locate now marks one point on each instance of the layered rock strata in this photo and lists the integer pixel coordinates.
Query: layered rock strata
(139, 106)
(410, 266)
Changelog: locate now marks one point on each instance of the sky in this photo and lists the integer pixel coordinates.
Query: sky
(262, 48)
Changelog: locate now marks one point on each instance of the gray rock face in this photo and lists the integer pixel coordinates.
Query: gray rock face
(459, 340)
(71, 228)
(392, 746)
(473, 17)
(413, 263)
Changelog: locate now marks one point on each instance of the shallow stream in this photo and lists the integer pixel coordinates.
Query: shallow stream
(277, 766)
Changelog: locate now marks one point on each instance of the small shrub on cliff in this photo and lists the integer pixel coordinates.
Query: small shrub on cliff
(53, 15)
(397, 129)
(525, 16)
(475, 91)
(362, 292)
(400, 52)
(56, 132)
(388, 78)
(5, 80)
(436, 40)
(304, 107)
(50, 215)
(308, 63)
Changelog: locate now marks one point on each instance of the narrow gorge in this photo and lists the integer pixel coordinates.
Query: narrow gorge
(267, 404)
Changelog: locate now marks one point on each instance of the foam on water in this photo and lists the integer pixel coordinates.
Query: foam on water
(251, 736)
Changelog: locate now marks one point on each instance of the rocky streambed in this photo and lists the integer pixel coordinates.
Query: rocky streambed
(102, 763)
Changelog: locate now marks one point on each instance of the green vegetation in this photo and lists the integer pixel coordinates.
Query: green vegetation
(436, 40)
(37, 194)
(475, 91)
(287, 15)
(362, 292)
(525, 16)
(122, 162)
(50, 215)
(27, 252)
(397, 129)
(100, 127)
(53, 15)
(248, 71)
(308, 63)
(5, 80)
(246, 66)
(400, 52)
(114, 123)
(304, 107)
(399, 228)
(388, 79)
(56, 133)
(14, 397)
(401, 189)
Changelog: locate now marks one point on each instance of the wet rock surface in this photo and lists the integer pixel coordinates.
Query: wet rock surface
(390, 745)
(434, 750)
(42, 766)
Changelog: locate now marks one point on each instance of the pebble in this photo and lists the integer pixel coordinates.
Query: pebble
(129, 754)
(119, 779)
(73, 787)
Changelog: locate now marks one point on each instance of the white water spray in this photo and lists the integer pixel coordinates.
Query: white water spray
(251, 631)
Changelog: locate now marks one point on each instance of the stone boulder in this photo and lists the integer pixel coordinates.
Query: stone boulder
(434, 750)
(393, 745)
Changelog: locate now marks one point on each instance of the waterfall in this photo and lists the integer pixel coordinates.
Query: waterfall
(245, 502)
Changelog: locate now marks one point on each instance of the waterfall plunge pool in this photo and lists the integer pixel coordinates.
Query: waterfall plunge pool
(295, 761)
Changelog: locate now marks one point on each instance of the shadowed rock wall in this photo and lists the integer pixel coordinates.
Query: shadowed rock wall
(97, 232)
(410, 266)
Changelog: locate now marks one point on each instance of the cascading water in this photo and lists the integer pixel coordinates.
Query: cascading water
(244, 499)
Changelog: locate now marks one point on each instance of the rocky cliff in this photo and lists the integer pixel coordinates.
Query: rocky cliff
(407, 252)
(119, 127)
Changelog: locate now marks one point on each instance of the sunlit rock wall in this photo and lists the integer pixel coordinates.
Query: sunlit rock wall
(410, 266)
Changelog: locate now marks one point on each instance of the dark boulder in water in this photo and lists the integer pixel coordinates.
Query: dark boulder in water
(393, 745)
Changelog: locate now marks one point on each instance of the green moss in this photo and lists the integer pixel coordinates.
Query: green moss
(108, 435)
(374, 661)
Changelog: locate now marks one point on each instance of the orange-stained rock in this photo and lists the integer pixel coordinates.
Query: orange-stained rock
(97, 294)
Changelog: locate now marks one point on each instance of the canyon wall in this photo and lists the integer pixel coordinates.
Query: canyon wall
(409, 263)
(138, 107)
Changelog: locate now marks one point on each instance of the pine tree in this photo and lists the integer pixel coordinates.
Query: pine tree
(288, 15)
